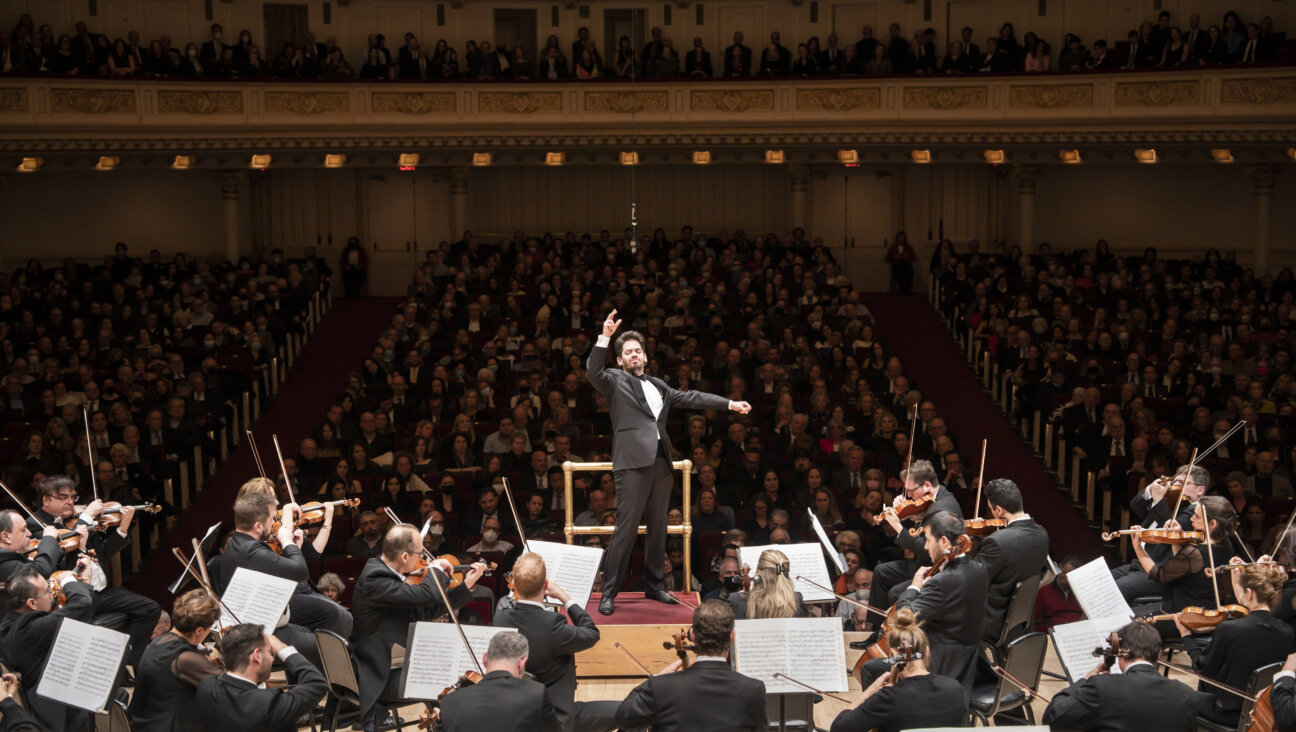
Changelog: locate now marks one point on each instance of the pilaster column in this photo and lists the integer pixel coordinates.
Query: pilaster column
(1027, 176)
(458, 202)
(800, 176)
(1263, 177)
(230, 181)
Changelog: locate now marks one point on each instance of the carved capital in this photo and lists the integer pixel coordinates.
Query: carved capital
(230, 181)
(800, 176)
(1027, 177)
(1263, 178)
(459, 181)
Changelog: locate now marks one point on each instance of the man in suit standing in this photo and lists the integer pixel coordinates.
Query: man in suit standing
(1139, 697)
(504, 700)
(211, 50)
(708, 694)
(746, 56)
(239, 699)
(641, 454)
(1010, 555)
(553, 644)
(889, 578)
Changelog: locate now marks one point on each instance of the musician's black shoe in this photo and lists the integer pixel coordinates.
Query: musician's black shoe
(661, 596)
(607, 605)
(860, 645)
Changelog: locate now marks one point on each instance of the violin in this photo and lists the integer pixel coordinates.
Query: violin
(111, 516)
(962, 546)
(1263, 562)
(466, 679)
(681, 645)
(1201, 620)
(58, 597)
(1111, 651)
(745, 573)
(907, 508)
(313, 512)
(981, 527)
(1177, 537)
(457, 570)
(68, 541)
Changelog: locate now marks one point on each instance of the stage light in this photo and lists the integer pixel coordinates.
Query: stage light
(481, 160)
(774, 157)
(1222, 155)
(183, 162)
(408, 161)
(848, 157)
(921, 157)
(995, 157)
(1070, 157)
(701, 157)
(334, 161)
(629, 158)
(30, 165)
(555, 158)
(107, 163)
(1147, 156)
(260, 162)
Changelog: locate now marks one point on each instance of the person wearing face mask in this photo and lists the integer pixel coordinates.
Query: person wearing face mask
(213, 49)
(490, 539)
(192, 65)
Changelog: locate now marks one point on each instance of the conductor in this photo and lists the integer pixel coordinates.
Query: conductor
(639, 406)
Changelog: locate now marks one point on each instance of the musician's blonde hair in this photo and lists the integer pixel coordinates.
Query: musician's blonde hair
(1265, 580)
(257, 485)
(907, 629)
(771, 594)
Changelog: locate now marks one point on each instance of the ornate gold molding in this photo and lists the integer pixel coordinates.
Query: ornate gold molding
(625, 102)
(839, 100)
(13, 99)
(731, 101)
(519, 102)
(1051, 96)
(413, 103)
(1258, 91)
(945, 97)
(92, 101)
(1158, 93)
(172, 101)
(308, 102)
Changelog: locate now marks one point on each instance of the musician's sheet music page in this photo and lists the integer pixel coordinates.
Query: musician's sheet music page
(837, 557)
(255, 597)
(806, 560)
(1097, 592)
(572, 566)
(1075, 643)
(83, 664)
(809, 650)
(435, 656)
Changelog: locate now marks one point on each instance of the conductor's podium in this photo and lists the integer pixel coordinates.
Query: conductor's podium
(640, 626)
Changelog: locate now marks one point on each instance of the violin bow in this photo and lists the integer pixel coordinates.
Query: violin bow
(1192, 463)
(1245, 549)
(284, 468)
(90, 452)
(1203, 679)
(785, 677)
(844, 598)
(1210, 553)
(454, 617)
(1195, 457)
(980, 478)
(517, 520)
(22, 505)
(617, 645)
(1276, 545)
(256, 454)
(203, 583)
(1013, 680)
(913, 431)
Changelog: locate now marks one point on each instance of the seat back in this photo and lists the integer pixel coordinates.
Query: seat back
(1023, 660)
(114, 721)
(1260, 679)
(339, 669)
(1021, 609)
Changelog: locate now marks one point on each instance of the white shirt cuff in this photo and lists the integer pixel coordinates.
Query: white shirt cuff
(122, 533)
(1284, 675)
(602, 342)
(67, 579)
(286, 653)
(567, 605)
(86, 518)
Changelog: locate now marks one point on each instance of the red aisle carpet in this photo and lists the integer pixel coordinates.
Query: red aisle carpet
(633, 609)
(345, 336)
(912, 330)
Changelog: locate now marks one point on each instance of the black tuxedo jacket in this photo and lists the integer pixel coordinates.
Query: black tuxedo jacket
(705, 696)
(105, 544)
(554, 644)
(952, 608)
(27, 640)
(945, 501)
(500, 702)
(225, 703)
(1283, 698)
(244, 551)
(1009, 555)
(46, 560)
(637, 432)
(1237, 648)
(1139, 699)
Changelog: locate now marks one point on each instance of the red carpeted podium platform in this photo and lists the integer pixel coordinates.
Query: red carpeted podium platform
(641, 626)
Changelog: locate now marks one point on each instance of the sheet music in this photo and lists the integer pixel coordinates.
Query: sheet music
(255, 597)
(206, 547)
(1097, 592)
(572, 566)
(82, 666)
(805, 559)
(1075, 643)
(837, 557)
(435, 656)
(809, 650)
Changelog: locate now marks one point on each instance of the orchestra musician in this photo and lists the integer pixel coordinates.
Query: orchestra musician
(772, 594)
(14, 718)
(708, 695)
(172, 667)
(553, 643)
(950, 603)
(505, 700)
(641, 455)
(1181, 575)
(1138, 698)
(917, 699)
(384, 604)
(14, 536)
(239, 699)
(1010, 555)
(1239, 646)
(1152, 506)
(28, 632)
(891, 578)
(1283, 696)
(58, 496)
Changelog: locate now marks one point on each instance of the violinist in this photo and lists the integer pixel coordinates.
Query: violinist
(1239, 646)
(58, 496)
(173, 665)
(708, 695)
(1010, 555)
(917, 698)
(384, 604)
(891, 578)
(505, 700)
(1154, 510)
(1181, 576)
(950, 603)
(239, 699)
(28, 632)
(1285, 555)
(14, 538)
(772, 594)
(1138, 698)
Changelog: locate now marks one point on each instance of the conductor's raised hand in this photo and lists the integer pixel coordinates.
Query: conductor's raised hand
(611, 324)
(739, 407)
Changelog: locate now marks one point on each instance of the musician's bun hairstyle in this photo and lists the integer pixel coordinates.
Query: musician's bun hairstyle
(907, 630)
(193, 610)
(1265, 580)
(1220, 510)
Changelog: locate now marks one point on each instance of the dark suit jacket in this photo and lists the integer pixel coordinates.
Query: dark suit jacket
(105, 544)
(554, 645)
(746, 59)
(913, 703)
(244, 551)
(945, 501)
(1009, 555)
(951, 606)
(1140, 699)
(1237, 648)
(46, 560)
(500, 702)
(1283, 698)
(27, 640)
(382, 608)
(705, 696)
(225, 703)
(637, 433)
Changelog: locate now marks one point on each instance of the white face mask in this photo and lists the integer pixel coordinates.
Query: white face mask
(436, 529)
(490, 536)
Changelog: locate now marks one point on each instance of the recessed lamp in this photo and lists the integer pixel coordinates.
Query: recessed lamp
(774, 156)
(481, 160)
(30, 165)
(1146, 156)
(555, 158)
(629, 158)
(701, 157)
(260, 162)
(921, 157)
(336, 160)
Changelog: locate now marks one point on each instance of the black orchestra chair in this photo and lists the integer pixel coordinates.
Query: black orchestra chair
(1023, 659)
(114, 721)
(1019, 617)
(1260, 679)
(344, 687)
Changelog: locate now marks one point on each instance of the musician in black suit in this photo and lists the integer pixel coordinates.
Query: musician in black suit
(708, 695)
(890, 578)
(1137, 698)
(28, 632)
(14, 536)
(1283, 696)
(173, 666)
(58, 495)
(239, 699)
(553, 644)
(641, 455)
(1010, 555)
(14, 718)
(1150, 508)
(383, 606)
(505, 700)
